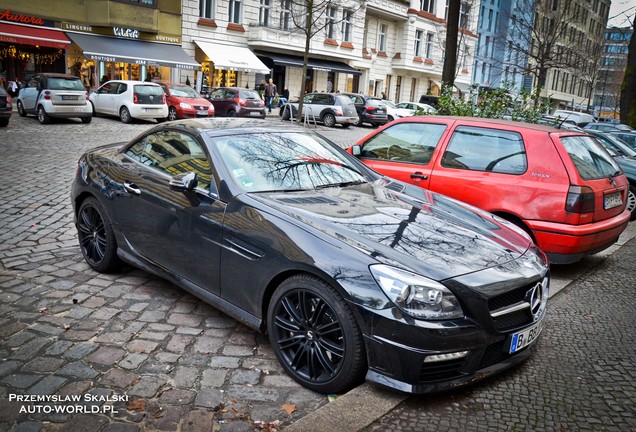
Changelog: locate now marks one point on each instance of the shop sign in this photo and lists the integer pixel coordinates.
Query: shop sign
(6, 15)
(76, 27)
(102, 58)
(126, 33)
(184, 66)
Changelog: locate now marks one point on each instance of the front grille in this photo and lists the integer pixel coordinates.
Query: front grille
(441, 370)
(512, 320)
(509, 298)
(201, 108)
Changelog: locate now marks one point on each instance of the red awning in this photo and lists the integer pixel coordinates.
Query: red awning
(17, 34)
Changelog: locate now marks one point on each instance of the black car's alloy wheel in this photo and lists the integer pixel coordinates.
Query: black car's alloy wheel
(96, 237)
(315, 335)
(631, 202)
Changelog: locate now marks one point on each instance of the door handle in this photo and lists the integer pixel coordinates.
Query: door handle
(132, 188)
(419, 176)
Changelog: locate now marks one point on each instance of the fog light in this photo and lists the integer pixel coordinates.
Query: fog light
(445, 357)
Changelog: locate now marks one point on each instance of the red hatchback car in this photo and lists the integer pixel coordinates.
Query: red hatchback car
(560, 186)
(184, 102)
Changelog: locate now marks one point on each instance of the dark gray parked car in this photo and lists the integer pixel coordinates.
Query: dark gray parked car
(237, 102)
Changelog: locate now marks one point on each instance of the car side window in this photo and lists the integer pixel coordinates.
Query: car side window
(33, 82)
(217, 94)
(173, 153)
(122, 88)
(482, 149)
(308, 99)
(321, 99)
(405, 142)
(107, 88)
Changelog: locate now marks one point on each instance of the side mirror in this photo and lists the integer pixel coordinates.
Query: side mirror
(185, 182)
(356, 150)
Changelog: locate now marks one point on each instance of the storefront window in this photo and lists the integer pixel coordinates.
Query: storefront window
(224, 78)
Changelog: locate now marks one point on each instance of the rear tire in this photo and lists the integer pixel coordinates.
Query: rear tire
(329, 120)
(231, 113)
(96, 237)
(21, 110)
(87, 120)
(345, 125)
(631, 201)
(124, 115)
(43, 117)
(4, 122)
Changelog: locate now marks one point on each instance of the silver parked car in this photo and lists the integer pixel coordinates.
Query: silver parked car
(54, 95)
(328, 108)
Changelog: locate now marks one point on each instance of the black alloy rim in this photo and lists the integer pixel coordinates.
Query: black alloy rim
(92, 234)
(309, 336)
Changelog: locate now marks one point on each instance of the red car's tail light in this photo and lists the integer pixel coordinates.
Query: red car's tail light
(580, 200)
(135, 98)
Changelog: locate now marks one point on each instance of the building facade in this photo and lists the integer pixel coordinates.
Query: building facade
(395, 47)
(95, 40)
(551, 44)
(614, 62)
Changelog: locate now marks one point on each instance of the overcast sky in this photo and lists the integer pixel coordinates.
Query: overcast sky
(622, 13)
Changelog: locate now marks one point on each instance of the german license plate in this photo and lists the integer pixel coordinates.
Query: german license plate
(612, 200)
(66, 97)
(202, 113)
(255, 113)
(520, 340)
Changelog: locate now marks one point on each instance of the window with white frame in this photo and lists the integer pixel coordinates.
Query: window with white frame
(382, 30)
(464, 15)
(419, 35)
(427, 6)
(330, 25)
(285, 14)
(347, 25)
(429, 45)
(206, 9)
(235, 11)
(263, 13)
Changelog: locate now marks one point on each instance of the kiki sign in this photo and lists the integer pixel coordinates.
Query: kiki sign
(126, 33)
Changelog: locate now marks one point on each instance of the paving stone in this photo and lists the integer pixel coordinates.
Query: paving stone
(10, 329)
(206, 344)
(142, 346)
(214, 378)
(197, 420)
(105, 313)
(48, 385)
(118, 378)
(156, 336)
(78, 370)
(114, 338)
(138, 307)
(29, 426)
(8, 366)
(224, 362)
(178, 343)
(121, 427)
(79, 350)
(43, 364)
(209, 398)
(152, 316)
(84, 423)
(184, 320)
(238, 350)
(106, 356)
(166, 357)
(146, 387)
(185, 377)
(132, 361)
(189, 331)
(177, 397)
(170, 418)
(245, 377)
(18, 339)
(79, 335)
(21, 381)
(30, 349)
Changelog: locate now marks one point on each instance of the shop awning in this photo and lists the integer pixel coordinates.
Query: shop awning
(315, 64)
(462, 87)
(16, 34)
(133, 51)
(231, 57)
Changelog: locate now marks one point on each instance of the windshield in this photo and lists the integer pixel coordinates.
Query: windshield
(591, 160)
(183, 91)
(389, 104)
(285, 161)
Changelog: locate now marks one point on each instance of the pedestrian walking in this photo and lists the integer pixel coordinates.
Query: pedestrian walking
(270, 93)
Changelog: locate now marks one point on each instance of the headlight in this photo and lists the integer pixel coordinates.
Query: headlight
(416, 295)
(185, 105)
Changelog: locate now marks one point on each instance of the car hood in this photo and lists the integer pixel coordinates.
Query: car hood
(191, 101)
(406, 226)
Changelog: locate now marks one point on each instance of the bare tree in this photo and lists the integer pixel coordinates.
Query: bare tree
(588, 64)
(542, 36)
(311, 17)
(628, 89)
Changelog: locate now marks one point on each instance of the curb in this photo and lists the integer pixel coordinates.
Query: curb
(360, 407)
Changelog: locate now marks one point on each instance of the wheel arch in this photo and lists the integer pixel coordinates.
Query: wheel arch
(512, 218)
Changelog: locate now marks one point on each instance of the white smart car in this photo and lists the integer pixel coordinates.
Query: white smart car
(130, 99)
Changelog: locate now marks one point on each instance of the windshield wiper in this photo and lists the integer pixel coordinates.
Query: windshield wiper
(611, 178)
(341, 184)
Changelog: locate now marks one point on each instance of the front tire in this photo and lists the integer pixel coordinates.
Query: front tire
(124, 115)
(87, 120)
(329, 120)
(172, 114)
(231, 113)
(43, 117)
(96, 237)
(315, 335)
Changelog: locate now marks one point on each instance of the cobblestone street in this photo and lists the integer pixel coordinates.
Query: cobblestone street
(164, 360)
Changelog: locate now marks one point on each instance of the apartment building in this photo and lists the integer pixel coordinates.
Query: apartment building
(390, 46)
